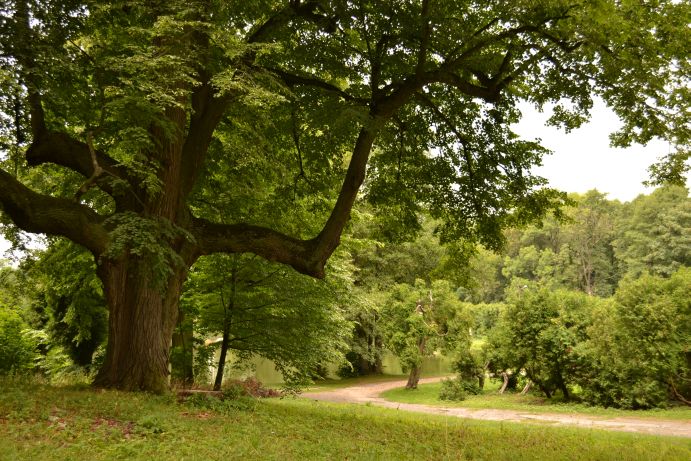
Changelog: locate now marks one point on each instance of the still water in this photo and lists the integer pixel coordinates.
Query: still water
(265, 372)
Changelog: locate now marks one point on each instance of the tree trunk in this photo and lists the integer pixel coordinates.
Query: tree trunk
(505, 375)
(378, 365)
(141, 322)
(222, 360)
(527, 387)
(413, 377)
(416, 370)
(565, 392)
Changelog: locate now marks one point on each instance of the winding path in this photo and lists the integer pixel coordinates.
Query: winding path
(369, 393)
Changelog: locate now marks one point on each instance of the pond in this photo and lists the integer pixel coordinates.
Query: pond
(265, 371)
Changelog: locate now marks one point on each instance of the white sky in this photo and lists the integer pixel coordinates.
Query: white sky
(582, 160)
(4, 245)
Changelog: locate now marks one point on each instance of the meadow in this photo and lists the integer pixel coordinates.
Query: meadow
(80, 423)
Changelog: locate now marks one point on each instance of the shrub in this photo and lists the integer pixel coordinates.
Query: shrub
(17, 351)
(637, 356)
(251, 387)
(457, 389)
(222, 404)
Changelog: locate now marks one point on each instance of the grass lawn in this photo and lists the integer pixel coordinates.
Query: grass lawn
(48, 423)
(429, 394)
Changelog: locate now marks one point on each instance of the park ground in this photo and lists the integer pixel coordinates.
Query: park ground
(509, 407)
(81, 423)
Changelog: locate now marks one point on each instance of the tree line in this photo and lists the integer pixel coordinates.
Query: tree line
(592, 305)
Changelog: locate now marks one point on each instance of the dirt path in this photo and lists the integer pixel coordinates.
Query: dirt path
(369, 393)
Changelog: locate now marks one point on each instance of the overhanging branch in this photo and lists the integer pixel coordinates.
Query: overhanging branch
(292, 80)
(37, 213)
(61, 149)
(264, 242)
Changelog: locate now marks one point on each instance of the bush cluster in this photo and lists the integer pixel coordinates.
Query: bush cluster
(630, 351)
(17, 351)
(458, 389)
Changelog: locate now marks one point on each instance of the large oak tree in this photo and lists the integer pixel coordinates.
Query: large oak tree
(124, 119)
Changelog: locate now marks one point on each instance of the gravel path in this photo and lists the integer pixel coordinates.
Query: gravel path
(369, 393)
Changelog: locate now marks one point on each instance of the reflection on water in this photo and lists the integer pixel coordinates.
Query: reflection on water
(265, 372)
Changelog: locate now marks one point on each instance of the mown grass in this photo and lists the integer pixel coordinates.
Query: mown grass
(49, 423)
(428, 394)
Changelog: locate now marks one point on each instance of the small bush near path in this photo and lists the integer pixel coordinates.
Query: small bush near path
(456, 389)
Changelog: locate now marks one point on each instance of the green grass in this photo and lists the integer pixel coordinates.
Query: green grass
(429, 394)
(48, 423)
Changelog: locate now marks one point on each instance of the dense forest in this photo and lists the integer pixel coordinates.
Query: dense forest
(591, 305)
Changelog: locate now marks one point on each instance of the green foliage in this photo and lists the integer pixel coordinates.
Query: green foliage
(575, 252)
(17, 351)
(380, 263)
(655, 235)
(638, 351)
(252, 112)
(269, 311)
(203, 360)
(419, 320)
(68, 299)
(149, 240)
(485, 316)
(471, 367)
(538, 332)
(457, 389)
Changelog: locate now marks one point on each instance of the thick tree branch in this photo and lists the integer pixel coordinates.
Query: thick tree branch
(26, 59)
(267, 243)
(330, 236)
(425, 31)
(306, 256)
(208, 109)
(39, 213)
(61, 149)
(97, 170)
(489, 94)
(292, 80)
(309, 10)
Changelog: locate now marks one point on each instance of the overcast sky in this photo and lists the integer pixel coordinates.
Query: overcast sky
(583, 160)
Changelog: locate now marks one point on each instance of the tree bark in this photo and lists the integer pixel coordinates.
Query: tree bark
(529, 384)
(413, 377)
(222, 360)
(142, 319)
(416, 370)
(505, 375)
